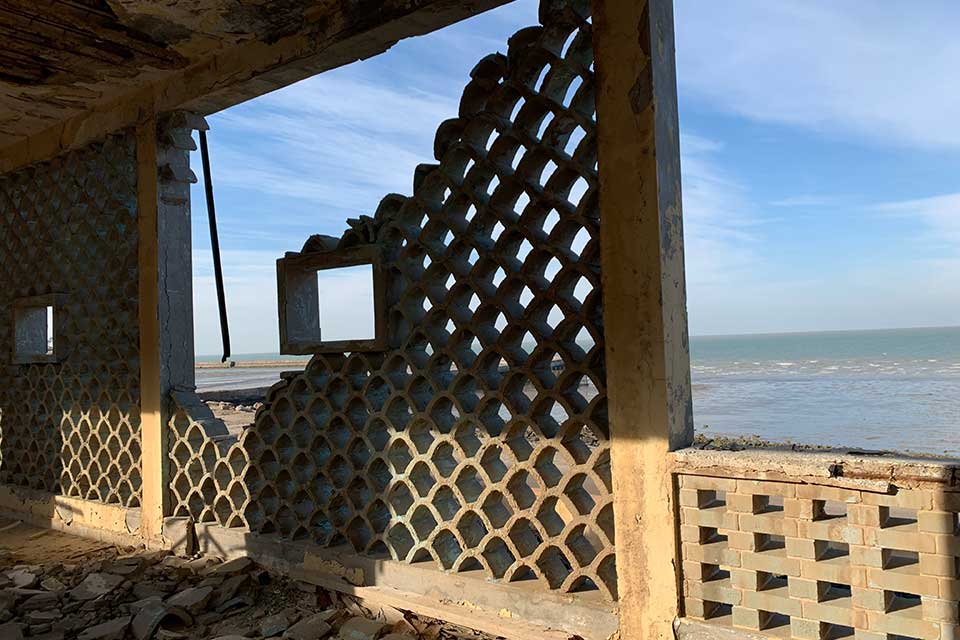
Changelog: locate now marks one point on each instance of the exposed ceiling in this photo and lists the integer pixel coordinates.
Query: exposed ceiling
(61, 59)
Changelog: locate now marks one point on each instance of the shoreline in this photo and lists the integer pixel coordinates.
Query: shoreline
(252, 364)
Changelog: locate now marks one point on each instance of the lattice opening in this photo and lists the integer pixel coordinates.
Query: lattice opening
(900, 559)
(898, 517)
(713, 573)
(901, 602)
(768, 542)
(716, 611)
(767, 504)
(711, 535)
(711, 498)
(775, 622)
(831, 550)
(770, 581)
(831, 591)
(836, 632)
(829, 510)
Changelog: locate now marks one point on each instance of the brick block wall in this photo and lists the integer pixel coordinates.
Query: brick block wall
(799, 559)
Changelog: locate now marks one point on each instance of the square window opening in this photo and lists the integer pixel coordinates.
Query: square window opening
(36, 337)
(346, 304)
(332, 302)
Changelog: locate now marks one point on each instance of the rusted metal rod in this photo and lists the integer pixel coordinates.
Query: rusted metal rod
(215, 246)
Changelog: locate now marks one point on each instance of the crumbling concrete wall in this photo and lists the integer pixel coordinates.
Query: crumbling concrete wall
(478, 439)
(69, 227)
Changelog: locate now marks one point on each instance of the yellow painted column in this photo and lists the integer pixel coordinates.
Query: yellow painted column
(644, 295)
(151, 421)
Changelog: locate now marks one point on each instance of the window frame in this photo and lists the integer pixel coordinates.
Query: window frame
(299, 303)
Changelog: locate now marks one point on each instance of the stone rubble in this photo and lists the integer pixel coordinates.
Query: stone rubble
(126, 594)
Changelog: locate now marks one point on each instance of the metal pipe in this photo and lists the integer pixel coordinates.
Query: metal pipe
(215, 245)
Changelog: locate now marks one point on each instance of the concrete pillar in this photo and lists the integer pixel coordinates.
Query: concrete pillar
(644, 295)
(166, 297)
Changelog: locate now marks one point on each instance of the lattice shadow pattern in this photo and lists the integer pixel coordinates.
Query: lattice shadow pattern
(479, 440)
(69, 226)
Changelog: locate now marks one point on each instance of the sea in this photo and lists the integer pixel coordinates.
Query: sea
(893, 389)
(880, 390)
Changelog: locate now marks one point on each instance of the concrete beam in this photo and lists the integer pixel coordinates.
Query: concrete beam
(245, 71)
(153, 451)
(509, 610)
(644, 297)
(108, 523)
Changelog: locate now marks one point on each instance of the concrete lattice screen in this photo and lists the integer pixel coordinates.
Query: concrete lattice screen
(69, 227)
(479, 440)
(808, 553)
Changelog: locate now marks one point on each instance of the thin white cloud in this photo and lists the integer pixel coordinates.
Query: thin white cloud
(940, 214)
(808, 200)
(719, 227)
(884, 71)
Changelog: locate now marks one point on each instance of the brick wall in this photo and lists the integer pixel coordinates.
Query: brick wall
(808, 559)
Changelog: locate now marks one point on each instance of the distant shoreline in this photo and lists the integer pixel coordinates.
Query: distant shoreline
(252, 364)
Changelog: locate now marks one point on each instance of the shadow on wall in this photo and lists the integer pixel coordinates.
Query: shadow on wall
(68, 227)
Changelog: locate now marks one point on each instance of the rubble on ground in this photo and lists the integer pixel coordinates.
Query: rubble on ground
(109, 593)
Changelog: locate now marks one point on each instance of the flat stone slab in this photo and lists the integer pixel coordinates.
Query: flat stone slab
(274, 625)
(361, 628)
(237, 565)
(22, 578)
(193, 599)
(112, 630)
(96, 585)
(11, 631)
(52, 584)
(45, 600)
(312, 628)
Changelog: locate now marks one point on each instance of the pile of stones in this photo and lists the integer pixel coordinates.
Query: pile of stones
(117, 595)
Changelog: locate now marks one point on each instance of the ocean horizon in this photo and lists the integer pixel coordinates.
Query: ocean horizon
(884, 389)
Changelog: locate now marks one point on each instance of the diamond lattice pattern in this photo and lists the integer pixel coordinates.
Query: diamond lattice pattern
(479, 441)
(69, 226)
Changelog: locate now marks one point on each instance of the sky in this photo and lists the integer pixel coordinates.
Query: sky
(820, 154)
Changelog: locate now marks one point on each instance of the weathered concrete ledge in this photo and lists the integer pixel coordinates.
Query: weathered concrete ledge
(882, 473)
(508, 610)
(686, 629)
(108, 523)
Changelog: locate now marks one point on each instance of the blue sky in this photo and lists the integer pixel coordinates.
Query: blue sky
(820, 154)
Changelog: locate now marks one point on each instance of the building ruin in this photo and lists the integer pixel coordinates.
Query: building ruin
(448, 464)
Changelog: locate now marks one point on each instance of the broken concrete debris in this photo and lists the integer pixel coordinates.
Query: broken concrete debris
(113, 594)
